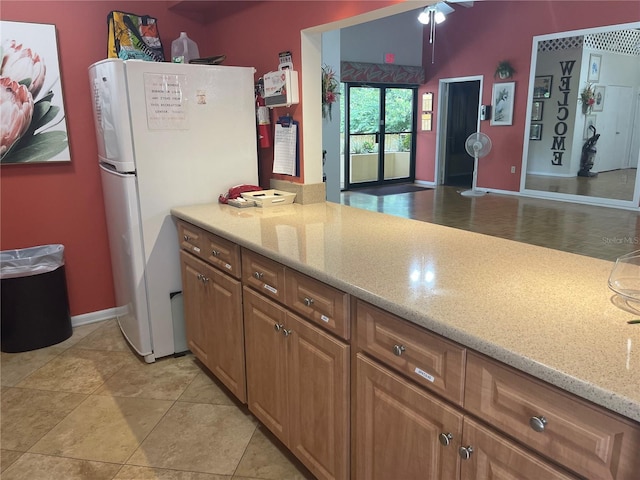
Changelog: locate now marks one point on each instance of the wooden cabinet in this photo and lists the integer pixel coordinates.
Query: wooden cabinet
(399, 428)
(298, 384)
(399, 416)
(263, 274)
(196, 305)
(424, 407)
(214, 322)
(582, 437)
(322, 304)
(488, 456)
(266, 359)
(426, 358)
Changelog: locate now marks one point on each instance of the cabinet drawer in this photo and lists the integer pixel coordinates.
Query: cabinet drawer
(318, 302)
(582, 437)
(493, 456)
(221, 253)
(190, 238)
(263, 274)
(424, 357)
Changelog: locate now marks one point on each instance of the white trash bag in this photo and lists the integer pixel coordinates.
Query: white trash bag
(31, 261)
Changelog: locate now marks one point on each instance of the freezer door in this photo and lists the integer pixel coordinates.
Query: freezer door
(111, 114)
(127, 258)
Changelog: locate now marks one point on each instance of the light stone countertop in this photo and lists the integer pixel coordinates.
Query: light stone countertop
(545, 312)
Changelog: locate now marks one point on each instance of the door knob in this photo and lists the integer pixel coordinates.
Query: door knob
(445, 439)
(398, 349)
(538, 423)
(465, 452)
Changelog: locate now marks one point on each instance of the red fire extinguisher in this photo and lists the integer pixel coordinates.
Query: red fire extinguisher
(264, 123)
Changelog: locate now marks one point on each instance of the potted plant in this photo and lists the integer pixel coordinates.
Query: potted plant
(504, 70)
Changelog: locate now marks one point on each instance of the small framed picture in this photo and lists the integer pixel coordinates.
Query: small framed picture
(502, 103)
(427, 102)
(426, 122)
(536, 111)
(542, 86)
(589, 121)
(535, 132)
(598, 94)
(594, 68)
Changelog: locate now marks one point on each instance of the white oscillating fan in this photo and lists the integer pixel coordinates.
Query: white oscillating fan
(477, 145)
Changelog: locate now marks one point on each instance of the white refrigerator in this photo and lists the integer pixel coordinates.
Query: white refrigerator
(168, 135)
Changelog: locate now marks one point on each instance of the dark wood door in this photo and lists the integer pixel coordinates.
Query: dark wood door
(462, 121)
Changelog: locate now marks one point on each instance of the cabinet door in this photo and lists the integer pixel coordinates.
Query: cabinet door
(195, 306)
(492, 457)
(223, 319)
(398, 427)
(266, 362)
(318, 399)
(582, 437)
(213, 321)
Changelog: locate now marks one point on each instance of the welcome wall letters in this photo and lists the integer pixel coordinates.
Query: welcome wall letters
(561, 127)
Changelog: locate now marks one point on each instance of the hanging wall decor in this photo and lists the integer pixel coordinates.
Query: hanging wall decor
(33, 119)
(502, 103)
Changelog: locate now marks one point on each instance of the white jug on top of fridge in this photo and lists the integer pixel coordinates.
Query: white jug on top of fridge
(183, 49)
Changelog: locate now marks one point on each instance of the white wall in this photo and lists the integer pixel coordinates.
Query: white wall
(616, 70)
(331, 128)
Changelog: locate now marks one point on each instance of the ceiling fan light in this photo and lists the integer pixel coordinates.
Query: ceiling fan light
(439, 17)
(424, 16)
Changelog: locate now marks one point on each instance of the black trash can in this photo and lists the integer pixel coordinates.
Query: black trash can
(34, 309)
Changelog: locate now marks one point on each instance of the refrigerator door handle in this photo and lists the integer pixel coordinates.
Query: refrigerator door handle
(111, 169)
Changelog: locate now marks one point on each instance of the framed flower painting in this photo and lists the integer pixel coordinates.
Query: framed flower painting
(502, 103)
(33, 119)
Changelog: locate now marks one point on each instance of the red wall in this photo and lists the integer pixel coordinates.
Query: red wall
(62, 203)
(473, 40)
(275, 27)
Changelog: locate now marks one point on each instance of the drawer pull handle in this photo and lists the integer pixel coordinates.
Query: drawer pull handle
(286, 332)
(258, 275)
(186, 238)
(200, 276)
(277, 326)
(398, 349)
(445, 439)
(465, 452)
(538, 423)
(204, 279)
(308, 301)
(215, 253)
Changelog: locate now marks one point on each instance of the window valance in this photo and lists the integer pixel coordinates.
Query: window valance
(381, 73)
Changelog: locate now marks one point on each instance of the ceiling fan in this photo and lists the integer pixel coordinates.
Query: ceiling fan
(436, 13)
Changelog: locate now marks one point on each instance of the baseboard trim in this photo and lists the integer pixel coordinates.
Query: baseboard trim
(425, 183)
(93, 317)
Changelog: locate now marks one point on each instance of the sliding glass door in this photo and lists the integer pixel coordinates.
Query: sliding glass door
(379, 137)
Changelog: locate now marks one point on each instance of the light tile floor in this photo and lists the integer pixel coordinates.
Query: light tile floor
(90, 409)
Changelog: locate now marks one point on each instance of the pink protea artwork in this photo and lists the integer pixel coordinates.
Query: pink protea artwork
(31, 109)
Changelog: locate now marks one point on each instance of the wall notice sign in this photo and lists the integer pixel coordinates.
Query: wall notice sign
(166, 102)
